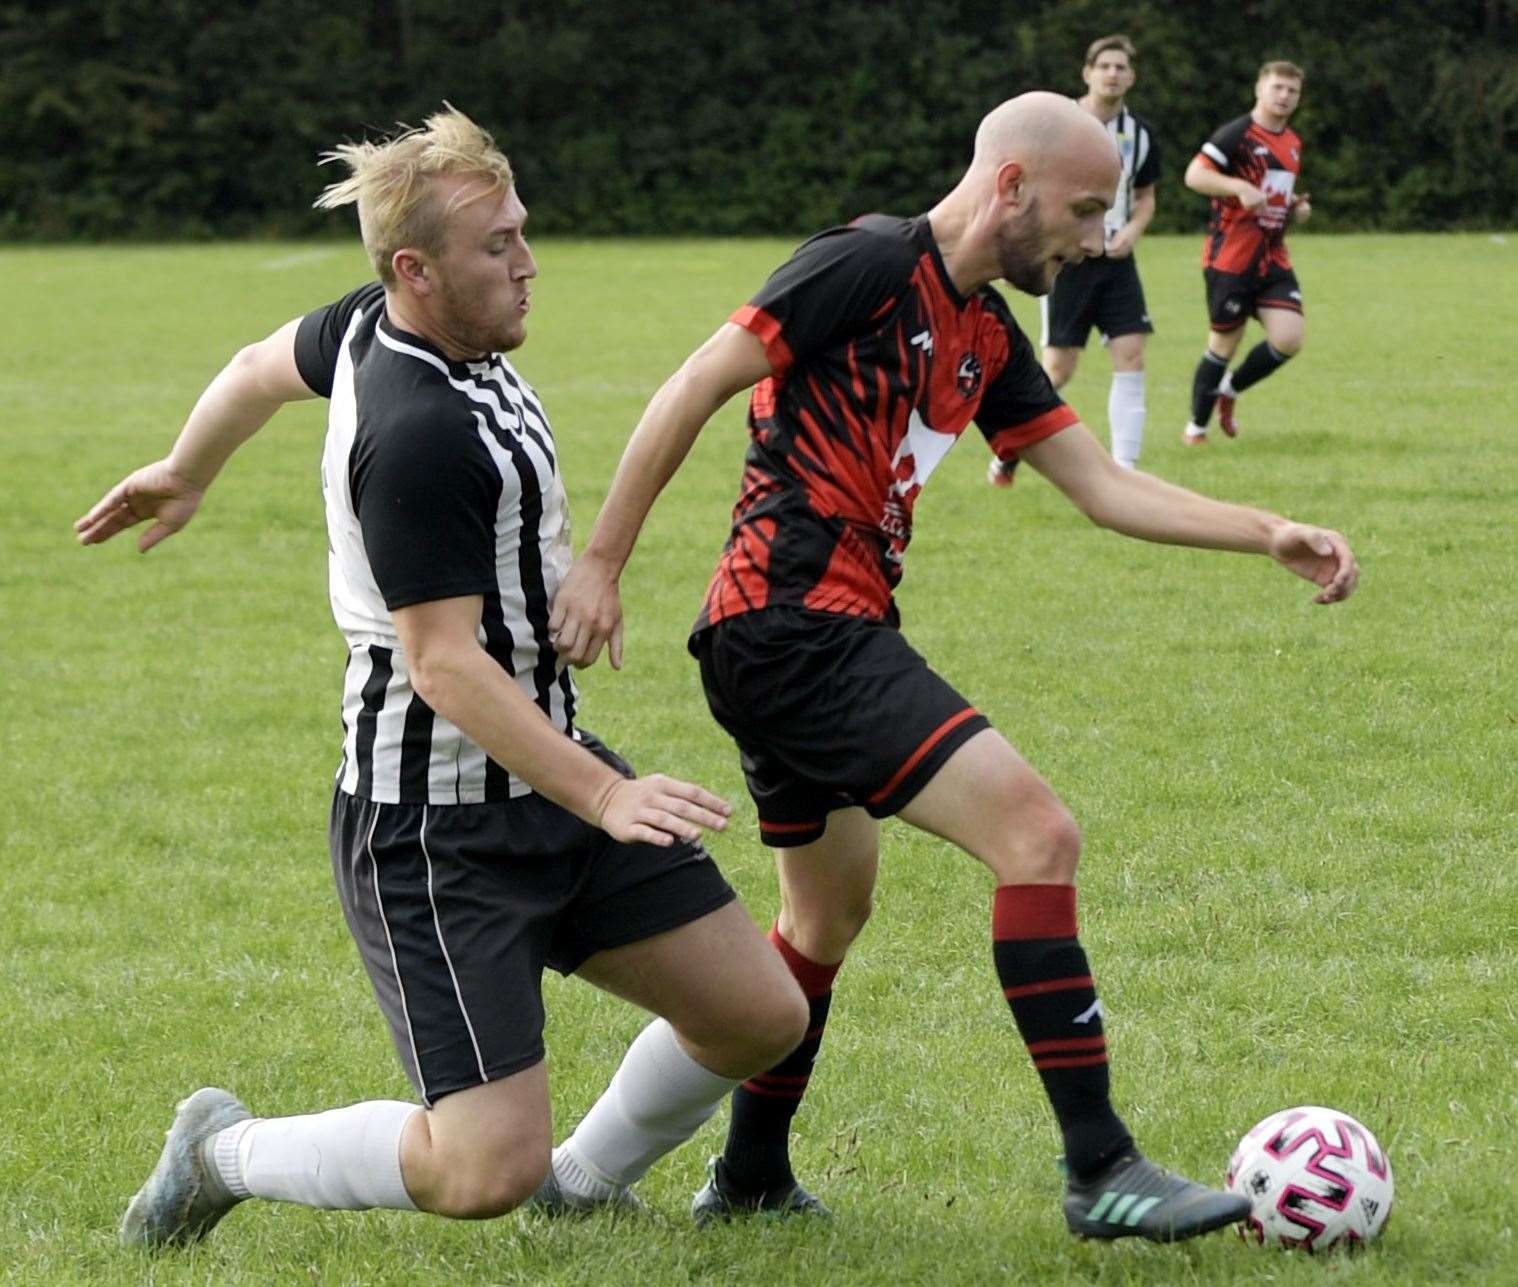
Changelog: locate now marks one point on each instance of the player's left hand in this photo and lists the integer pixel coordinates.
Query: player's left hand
(1121, 244)
(1301, 208)
(658, 810)
(1319, 555)
(587, 615)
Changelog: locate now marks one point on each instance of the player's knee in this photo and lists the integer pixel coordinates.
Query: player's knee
(1047, 849)
(1060, 370)
(769, 1032)
(781, 1028)
(752, 1032)
(1289, 345)
(825, 934)
(486, 1185)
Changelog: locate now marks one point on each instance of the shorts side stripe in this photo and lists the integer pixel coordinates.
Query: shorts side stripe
(447, 959)
(416, 1061)
(928, 743)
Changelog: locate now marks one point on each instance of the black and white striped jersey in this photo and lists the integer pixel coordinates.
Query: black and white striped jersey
(440, 480)
(1141, 163)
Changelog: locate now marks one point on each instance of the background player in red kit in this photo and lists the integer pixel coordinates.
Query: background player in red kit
(870, 351)
(1249, 168)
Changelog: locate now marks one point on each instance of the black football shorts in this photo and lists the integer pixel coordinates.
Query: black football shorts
(1233, 298)
(829, 712)
(457, 908)
(1104, 293)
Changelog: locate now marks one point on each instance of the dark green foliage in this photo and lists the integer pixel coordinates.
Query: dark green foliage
(172, 118)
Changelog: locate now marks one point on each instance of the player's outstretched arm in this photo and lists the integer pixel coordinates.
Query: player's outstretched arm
(458, 679)
(587, 612)
(1140, 505)
(235, 406)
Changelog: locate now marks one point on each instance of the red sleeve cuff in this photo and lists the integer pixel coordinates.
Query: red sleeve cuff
(760, 324)
(1006, 443)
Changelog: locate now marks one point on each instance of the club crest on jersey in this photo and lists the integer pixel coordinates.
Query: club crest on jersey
(967, 377)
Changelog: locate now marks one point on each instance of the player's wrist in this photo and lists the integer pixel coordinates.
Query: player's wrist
(600, 556)
(186, 476)
(604, 794)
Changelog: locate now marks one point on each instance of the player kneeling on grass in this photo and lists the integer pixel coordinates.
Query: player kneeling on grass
(871, 351)
(476, 832)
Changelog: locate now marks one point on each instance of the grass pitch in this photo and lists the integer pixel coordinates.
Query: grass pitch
(1298, 883)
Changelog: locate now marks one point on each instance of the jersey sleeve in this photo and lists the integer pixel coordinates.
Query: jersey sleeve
(1221, 148)
(827, 291)
(320, 335)
(426, 495)
(1148, 172)
(1021, 407)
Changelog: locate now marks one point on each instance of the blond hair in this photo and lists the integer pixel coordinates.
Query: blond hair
(391, 182)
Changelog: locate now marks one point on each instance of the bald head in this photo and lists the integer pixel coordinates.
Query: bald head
(1044, 133)
(1034, 196)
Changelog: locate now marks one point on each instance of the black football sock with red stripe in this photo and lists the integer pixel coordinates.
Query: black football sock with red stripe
(1204, 387)
(1264, 359)
(757, 1157)
(1047, 982)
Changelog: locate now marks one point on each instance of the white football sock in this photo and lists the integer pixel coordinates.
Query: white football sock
(1225, 386)
(1125, 415)
(346, 1159)
(657, 1100)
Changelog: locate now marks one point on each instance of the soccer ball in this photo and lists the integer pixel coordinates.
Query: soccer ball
(1316, 1179)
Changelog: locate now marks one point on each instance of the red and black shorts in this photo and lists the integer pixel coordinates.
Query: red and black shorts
(1233, 298)
(457, 909)
(829, 712)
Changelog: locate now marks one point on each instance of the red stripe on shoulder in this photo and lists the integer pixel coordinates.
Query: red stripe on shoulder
(767, 330)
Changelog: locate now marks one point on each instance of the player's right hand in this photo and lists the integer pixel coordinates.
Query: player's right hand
(1319, 555)
(1251, 197)
(155, 491)
(587, 615)
(659, 810)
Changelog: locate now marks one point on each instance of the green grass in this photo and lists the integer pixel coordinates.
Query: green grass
(1298, 882)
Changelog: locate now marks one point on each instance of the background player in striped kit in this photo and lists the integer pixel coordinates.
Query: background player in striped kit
(1104, 291)
(1249, 168)
(870, 351)
(477, 833)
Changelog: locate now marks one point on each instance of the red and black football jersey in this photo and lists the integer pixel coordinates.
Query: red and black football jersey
(1239, 240)
(879, 365)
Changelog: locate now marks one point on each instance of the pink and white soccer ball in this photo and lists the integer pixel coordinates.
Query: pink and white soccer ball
(1316, 1179)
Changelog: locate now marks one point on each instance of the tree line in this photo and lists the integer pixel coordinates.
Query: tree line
(172, 118)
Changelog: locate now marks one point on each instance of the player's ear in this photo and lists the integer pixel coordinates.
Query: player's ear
(410, 268)
(1009, 183)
